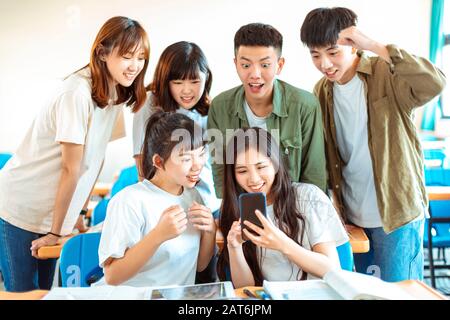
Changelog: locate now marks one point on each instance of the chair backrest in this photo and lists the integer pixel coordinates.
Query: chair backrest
(345, 254)
(4, 157)
(440, 230)
(79, 257)
(99, 213)
(437, 176)
(127, 176)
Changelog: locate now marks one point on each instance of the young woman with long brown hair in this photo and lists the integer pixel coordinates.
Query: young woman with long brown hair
(180, 84)
(47, 182)
(301, 231)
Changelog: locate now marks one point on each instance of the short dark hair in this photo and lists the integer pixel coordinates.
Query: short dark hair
(322, 26)
(258, 35)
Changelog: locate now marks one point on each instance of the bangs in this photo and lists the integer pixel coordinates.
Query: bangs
(322, 26)
(132, 40)
(186, 69)
(255, 138)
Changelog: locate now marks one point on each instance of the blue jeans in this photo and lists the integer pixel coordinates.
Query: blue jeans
(20, 270)
(395, 256)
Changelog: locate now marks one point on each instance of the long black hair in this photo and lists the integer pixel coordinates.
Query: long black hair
(287, 216)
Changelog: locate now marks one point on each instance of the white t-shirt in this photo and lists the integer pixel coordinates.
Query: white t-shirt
(254, 120)
(358, 187)
(322, 224)
(132, 214)
(205, 186)
(29, 181)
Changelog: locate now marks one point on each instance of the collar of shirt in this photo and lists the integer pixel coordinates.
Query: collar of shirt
(279, 107)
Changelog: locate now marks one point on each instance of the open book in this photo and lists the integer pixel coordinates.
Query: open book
(336, 285)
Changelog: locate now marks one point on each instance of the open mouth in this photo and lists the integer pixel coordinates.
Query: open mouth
(193, 178)
(255, 87)
(257, 188)
(330, 73)
(187, 99)
(130, 76)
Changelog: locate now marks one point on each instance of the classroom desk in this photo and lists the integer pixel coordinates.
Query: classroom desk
(48, 252)
(438, 192)
(418, 289)
(101, 189)
(358, 239)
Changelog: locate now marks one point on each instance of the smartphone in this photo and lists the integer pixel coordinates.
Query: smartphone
(248, 203)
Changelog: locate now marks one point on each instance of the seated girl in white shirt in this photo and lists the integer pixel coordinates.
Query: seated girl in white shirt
(157, 232)
(302, 228)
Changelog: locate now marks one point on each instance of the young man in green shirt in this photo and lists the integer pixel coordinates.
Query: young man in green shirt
(374, 159)
(291, 114)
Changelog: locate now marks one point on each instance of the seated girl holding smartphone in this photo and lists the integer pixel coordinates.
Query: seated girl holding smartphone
(302, 229)
(157, 232)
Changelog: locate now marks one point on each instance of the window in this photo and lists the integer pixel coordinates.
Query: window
(446, 61)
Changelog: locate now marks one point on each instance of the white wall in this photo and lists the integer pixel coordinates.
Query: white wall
(44, 41)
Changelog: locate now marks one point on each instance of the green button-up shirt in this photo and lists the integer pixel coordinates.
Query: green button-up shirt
(392, 93)
(296, 115)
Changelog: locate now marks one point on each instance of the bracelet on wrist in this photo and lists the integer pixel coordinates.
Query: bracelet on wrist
(53, 234)
(83, 212)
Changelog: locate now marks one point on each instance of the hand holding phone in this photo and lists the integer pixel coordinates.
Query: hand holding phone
(248, 203)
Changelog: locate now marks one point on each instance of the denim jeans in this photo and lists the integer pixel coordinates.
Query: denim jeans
(20, 270)
(395, 256)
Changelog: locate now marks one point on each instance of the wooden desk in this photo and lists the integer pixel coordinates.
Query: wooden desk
(415, 288)
(101, 189)
(358, 239)
(29, 295)
(438, 192)
(48, 252)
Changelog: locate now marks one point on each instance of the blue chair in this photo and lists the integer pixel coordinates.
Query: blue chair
(345, 254)
(437, 233)
(99, 213)
(79, 261)
(437, 176)
(127, 176)
(4, 157)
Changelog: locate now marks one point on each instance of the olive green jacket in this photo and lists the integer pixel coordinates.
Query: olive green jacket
(297, 117)
(392, 91)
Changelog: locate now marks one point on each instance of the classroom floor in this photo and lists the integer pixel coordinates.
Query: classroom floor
(442, 275)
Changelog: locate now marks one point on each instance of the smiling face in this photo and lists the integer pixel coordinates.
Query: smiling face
(255, 172)
(182, 168)
(336, 62)
(257, 68)
(188, 92)
(125, 68)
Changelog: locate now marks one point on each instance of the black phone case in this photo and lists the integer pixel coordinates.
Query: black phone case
(248, 203)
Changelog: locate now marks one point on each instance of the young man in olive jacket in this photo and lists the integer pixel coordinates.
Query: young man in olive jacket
(374, 159)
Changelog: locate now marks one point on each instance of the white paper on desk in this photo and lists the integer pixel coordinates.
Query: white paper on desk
(100, 293)
(300, 290)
